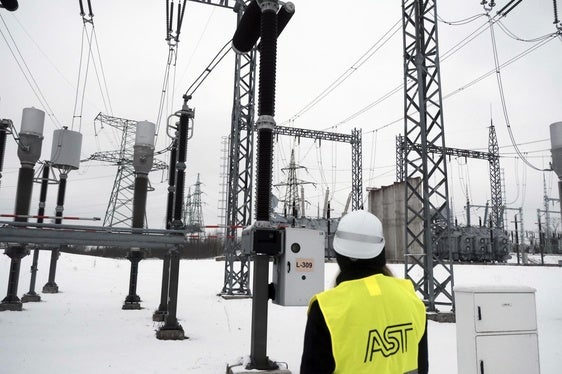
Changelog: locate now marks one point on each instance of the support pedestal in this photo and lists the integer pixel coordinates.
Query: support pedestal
(30, 298)
(244, 366)
(12, 301)
(133, 305)
(171, 333)
(159, 316)
(14, 306)
(51, 287)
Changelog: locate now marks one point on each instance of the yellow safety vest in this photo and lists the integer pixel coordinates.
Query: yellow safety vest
(375, 325)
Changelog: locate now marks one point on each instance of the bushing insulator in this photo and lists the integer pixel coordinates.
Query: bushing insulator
(284, 16)
(264, 162)
(10, 5)
(268, 64)
(248, 31)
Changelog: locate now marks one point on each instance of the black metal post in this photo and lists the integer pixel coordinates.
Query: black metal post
(517, 239)
(135, 255)
(265, 126)
(160, 313)
(16, 253)
(5, 126)
(51, 285)
(32, 296)
(541, 239)
(172, 330)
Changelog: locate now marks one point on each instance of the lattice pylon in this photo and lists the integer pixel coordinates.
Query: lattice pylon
(427, 199)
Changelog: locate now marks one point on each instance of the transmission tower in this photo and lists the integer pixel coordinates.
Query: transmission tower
(427, 197)
(495, 179)
(194, 209)
(120, 207)
(291, 206)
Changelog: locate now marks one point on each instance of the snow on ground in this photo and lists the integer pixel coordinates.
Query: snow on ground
(84, 330)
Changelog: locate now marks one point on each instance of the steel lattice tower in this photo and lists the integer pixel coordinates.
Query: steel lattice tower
(427, 199)
(195, 217)
(495, 180)
(291, 205)
(241, 166)
(356, 170)
(120, 207)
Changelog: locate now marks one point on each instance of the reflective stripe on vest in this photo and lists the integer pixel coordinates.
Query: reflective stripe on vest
(375, 324)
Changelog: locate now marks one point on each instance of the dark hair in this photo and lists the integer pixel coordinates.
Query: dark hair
(351, 268)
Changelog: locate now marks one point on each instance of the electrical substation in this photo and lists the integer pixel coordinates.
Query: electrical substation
(276, 222)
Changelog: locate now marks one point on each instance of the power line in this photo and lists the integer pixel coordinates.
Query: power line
(458, 46)
(461, 22)
(27, 71)
(345, 75)
(502, 98)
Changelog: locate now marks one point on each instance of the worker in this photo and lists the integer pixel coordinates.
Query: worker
(370, 322)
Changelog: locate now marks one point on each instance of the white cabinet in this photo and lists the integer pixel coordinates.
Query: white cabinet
(299, 272)
(496, 330)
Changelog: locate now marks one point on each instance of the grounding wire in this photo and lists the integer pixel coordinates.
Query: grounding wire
(503, 101)
(36, 89)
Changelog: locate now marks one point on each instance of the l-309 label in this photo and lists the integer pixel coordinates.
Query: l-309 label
(304, 264)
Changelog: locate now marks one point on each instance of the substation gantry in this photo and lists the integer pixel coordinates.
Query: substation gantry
(492, 156)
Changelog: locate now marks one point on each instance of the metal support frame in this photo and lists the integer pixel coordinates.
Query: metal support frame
(241, 167)
(425, 175)
(492, 156)
(496, 196)
(356, 170)
(44, 236)
(355, 139)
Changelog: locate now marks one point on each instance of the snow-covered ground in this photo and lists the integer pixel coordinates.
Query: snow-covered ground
(84, 330)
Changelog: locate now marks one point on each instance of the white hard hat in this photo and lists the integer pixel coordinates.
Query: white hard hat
(359, 235)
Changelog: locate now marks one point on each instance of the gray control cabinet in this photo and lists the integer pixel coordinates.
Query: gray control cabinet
(298, 273)
(496, 330)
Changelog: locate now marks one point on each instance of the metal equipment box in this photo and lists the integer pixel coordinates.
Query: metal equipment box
(496, 330)
(298, 273)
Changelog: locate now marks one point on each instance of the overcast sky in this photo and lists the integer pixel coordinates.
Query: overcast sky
(323, 41)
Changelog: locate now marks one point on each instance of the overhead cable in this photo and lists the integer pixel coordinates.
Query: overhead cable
(345, 75)
(461, 22)
(461, 44)
(26, 71)
(502, 97)
(92, 40)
